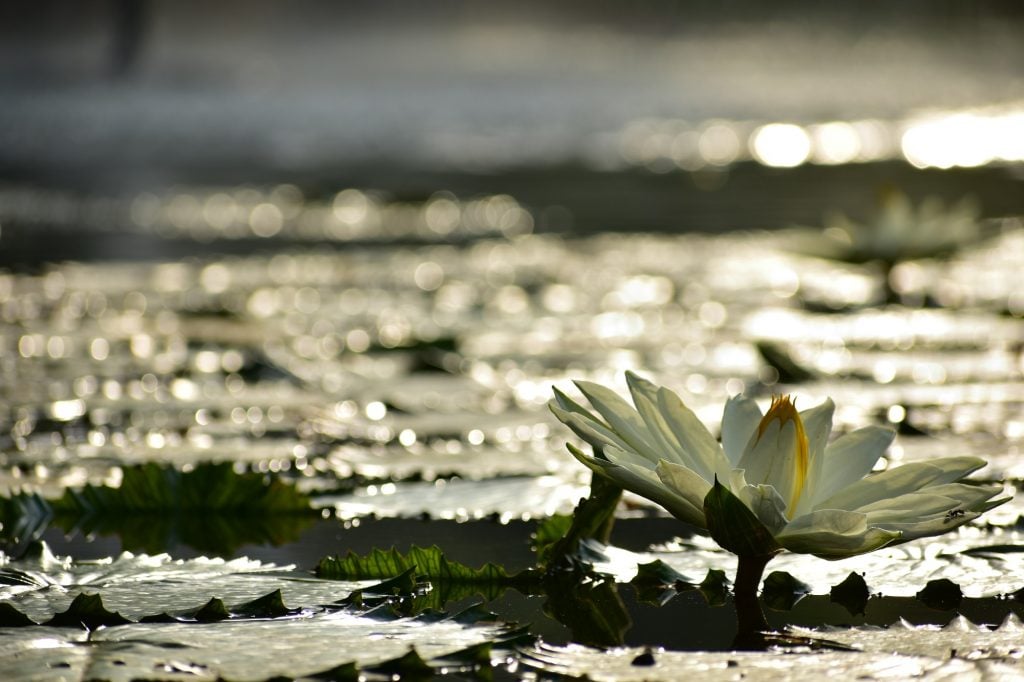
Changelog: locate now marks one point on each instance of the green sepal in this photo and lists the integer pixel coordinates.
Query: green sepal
(733, 526)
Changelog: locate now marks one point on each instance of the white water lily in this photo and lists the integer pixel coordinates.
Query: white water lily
(808, 495)
(900, 231)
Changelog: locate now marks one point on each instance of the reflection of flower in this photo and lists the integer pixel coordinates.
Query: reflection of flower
(898, 232)
(774, 482)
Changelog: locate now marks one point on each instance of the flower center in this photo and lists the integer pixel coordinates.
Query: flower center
(783, 409)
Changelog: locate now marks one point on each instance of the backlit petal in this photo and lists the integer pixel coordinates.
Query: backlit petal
(850, 458)
(698, 443)
(900, 480)
(739, 422)
(645, 483)
(621, 416)
(684, 482)
(833, 534)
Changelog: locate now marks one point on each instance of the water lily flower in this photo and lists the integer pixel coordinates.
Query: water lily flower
(774, 482)
(900, 231)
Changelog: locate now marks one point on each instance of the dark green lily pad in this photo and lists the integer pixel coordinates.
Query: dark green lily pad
(87, 611)
(942, 594)
(781, 591)
(851, 593)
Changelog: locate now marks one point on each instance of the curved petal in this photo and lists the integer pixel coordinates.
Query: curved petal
(951, 497)
(849, 458)
(763, 500)
(937, 524)
(739, 421)
(695, 439)
(833, 534)
(596, 434)
(620, 416)
(684, 482)
(645, 397)
(643, 482)
(773, 458)
(900, 480)
(817, 426)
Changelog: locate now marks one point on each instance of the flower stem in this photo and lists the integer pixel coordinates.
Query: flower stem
(749, 616)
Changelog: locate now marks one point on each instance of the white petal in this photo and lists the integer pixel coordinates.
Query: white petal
(908, 507)
(902, 479)
(569, 405)
(645, 483)
(645, 397)
(817, 426)
(767, 505)
(772, 459)
(621, 416)
(739, 421)
(931, 500)
(596, 434)
(849, 459)
(684, 482)
(833, 534)
(628, 458)
(937, 524)
(700, 446)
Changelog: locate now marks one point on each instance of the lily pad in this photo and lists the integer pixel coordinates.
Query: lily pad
(305, 646)
(617, 665)
(139, 586)
(507, 498)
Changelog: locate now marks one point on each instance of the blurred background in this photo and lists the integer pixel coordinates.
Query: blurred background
(355, 244)
(643, 116)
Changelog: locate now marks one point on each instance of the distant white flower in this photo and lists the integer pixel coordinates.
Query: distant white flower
(898, 232)
(803, 493)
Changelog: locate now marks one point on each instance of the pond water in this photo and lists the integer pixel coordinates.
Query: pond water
(360, 374)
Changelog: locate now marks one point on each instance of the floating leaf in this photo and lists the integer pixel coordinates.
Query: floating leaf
(450, 579)
(851, 593)
(140, 586)
(617, 664)
(781, 591)
(326, 645)
(408, 666)
(942, 594)
(11, 617)
(211, 508)
(212, 611)
(87, 611)
(657, 582)
(715, 587)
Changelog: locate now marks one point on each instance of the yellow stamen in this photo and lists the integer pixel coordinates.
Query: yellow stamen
(783, 409)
